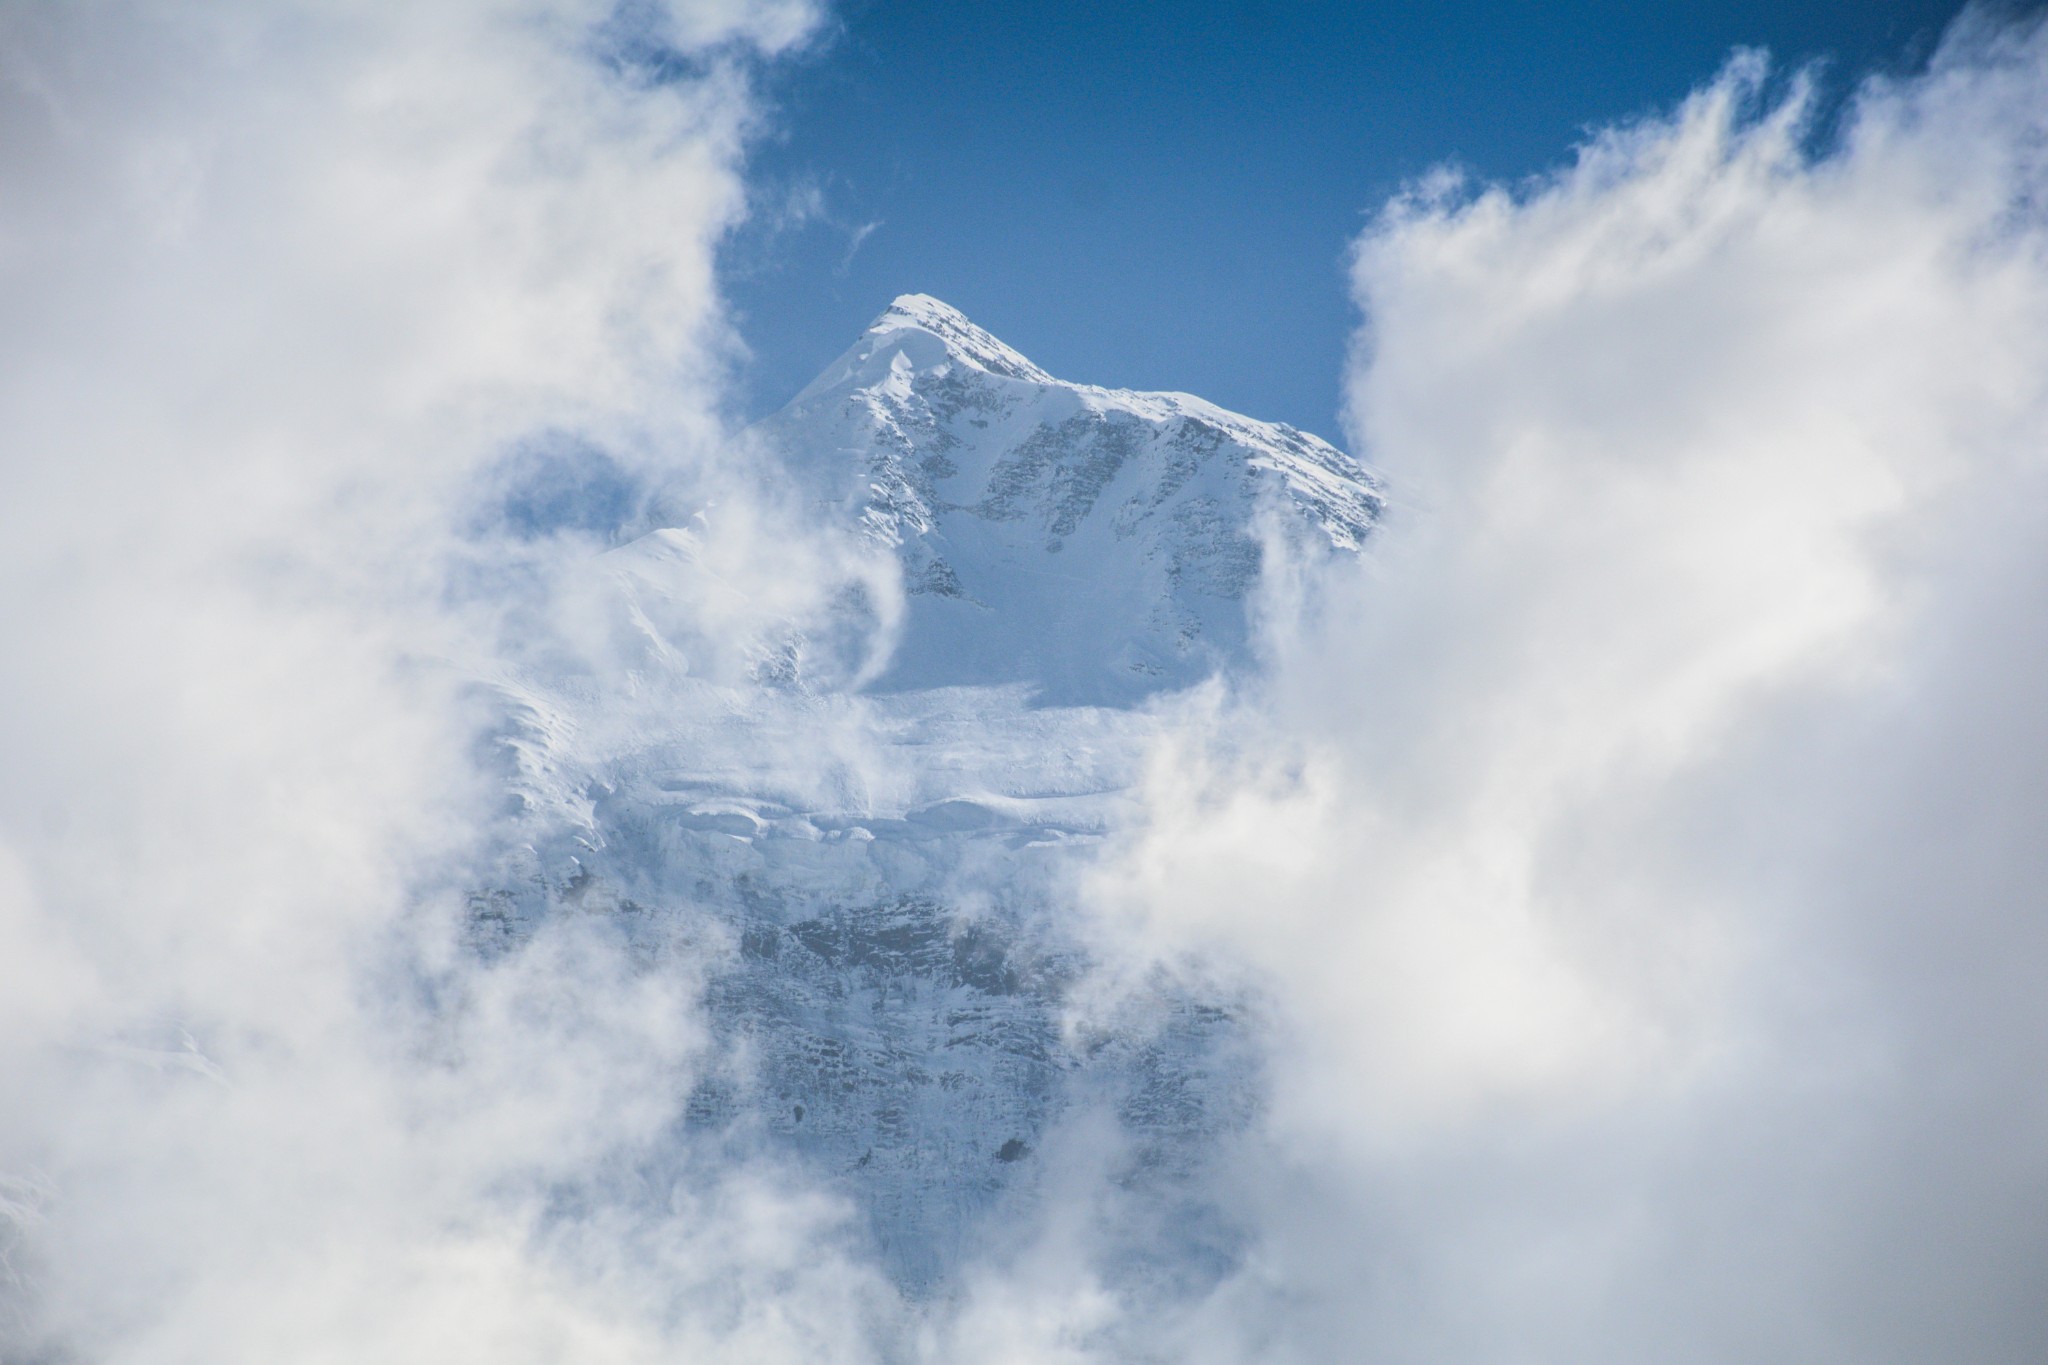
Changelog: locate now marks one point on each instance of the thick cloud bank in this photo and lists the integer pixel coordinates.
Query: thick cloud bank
(1645, 859)
(283, 284)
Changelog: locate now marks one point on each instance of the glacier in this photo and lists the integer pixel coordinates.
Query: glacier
(875, 865)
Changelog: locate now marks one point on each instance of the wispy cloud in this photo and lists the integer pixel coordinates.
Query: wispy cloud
(854, 241)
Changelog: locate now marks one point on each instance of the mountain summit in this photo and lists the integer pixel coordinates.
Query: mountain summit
(1098, 544)
(967, 343)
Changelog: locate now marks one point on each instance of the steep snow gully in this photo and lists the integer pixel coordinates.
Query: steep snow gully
(877, 871)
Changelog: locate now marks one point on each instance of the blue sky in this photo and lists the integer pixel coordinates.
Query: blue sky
(1161, 196)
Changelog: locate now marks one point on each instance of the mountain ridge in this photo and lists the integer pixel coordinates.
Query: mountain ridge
(1033, 514)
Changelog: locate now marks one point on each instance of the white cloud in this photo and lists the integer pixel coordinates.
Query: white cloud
(1639, 853)
(282, 284)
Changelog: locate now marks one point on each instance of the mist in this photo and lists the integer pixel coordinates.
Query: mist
(301, 300)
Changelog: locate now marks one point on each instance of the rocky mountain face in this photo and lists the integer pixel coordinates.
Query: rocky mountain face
(884, 878)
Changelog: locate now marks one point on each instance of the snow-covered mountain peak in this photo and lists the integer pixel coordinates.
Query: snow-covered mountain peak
(918, 333)
(1097, 544)
(965, 341)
